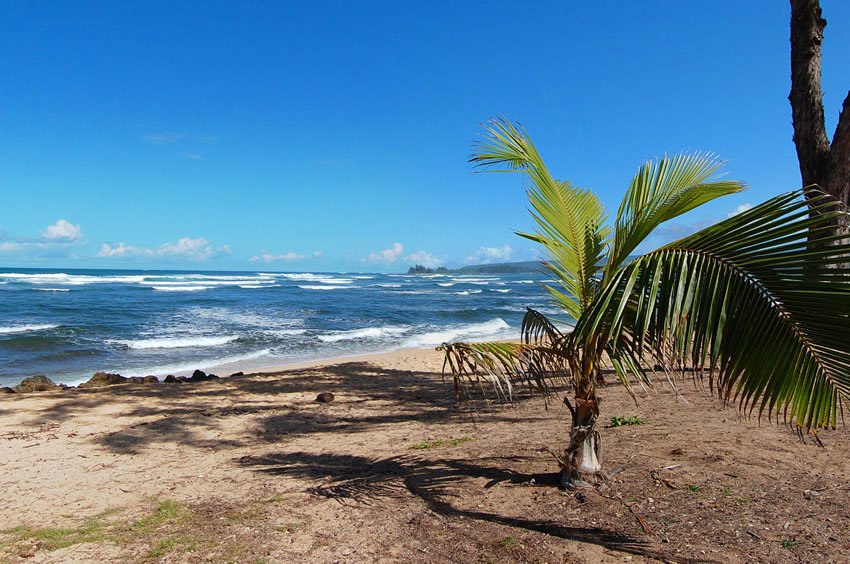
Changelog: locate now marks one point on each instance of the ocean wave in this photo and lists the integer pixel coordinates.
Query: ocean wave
(25, 328)
(176, 342)
(501, 291)
(202, 364)
(494, 327)
(52, 289)
(314, 287)
(286, 332)
(366, 333)
(181, 288)
(445, 284)
(258, 286)
(467, 292)
(69, 279)
(389, 285)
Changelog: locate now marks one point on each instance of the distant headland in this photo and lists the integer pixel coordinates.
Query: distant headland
(500, 268)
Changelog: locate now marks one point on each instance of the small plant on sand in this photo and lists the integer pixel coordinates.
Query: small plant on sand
(790, 543)
(509, 542)
(756, 304)
(622, 421)
(441, 443)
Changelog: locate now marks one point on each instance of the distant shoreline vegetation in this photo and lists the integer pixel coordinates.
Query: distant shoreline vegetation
(500, 268)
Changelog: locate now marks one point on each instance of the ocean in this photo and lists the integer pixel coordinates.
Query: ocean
(68, 324)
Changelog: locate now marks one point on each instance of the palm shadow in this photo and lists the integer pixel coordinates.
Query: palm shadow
(351, 478)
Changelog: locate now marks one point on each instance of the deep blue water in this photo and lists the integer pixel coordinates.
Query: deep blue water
(68, 324)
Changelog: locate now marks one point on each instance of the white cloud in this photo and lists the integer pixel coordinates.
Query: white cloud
(491, 254)
(424, 258)
(740, 209)
(387, 256)
(62, 230)
(317, 253)
(268, 257)
(185, 247)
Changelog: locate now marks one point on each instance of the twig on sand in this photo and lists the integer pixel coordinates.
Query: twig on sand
(640, 520)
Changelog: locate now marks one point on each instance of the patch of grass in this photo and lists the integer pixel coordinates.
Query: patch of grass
(695, 487)
(54, 538)
(508, 542)
(790, 543)
(162, 547)
(441, 443)
(622, 421)
(742, 501)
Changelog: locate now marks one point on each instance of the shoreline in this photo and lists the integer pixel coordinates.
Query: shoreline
(234, 370)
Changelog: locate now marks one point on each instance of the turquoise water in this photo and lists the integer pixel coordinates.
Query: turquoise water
(68, 324)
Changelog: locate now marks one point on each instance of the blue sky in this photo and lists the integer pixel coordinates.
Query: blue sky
(334, 135)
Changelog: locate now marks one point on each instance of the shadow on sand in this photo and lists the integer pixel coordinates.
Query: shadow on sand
(364, 480)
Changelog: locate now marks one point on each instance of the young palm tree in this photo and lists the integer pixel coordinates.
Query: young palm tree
(757, 304)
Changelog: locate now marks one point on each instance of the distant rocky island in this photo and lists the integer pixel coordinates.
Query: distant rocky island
(500, 268)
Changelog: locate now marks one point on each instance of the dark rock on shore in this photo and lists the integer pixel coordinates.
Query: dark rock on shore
(212, 377)
(325, 397)
(237, 374)
(38, 383)
(198, 376)
(6, 390)
(183, 379)
(101, 379)
(170, 379)
(150, 380)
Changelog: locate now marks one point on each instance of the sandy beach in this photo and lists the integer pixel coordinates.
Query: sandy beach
(254, 469)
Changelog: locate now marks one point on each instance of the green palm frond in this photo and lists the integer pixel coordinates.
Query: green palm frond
(570, 221)
(660, 191)
(759, 303)
(501, 367)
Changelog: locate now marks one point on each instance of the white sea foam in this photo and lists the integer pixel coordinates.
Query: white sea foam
(181, 288)
(494, 327)
(445, 284)
(176, 342)
(366, 333)
(314, 287)
(53, 289)
(201, 364)
(69, 279)
(501, 291)
(286, 332)
(25, 328)
(467, 292)
(389, 285)
(255, 286)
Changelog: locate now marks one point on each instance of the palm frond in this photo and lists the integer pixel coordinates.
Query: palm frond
(570, 221)
(660, 191)
(501, 367)
(759, 303)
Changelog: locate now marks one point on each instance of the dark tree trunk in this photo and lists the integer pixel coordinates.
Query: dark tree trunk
(821, 163)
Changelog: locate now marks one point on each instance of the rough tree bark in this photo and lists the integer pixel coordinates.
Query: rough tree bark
(821, 163)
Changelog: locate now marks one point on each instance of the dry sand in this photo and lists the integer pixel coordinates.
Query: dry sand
(253, 469)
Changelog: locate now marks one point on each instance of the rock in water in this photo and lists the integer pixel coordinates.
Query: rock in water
(198, 376)
(38, 383)
(170, 379)
(101, 379)
(237, 374)
(150, 380)
(325, 397)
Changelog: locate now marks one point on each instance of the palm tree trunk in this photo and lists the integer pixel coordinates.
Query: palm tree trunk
(582, 460)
